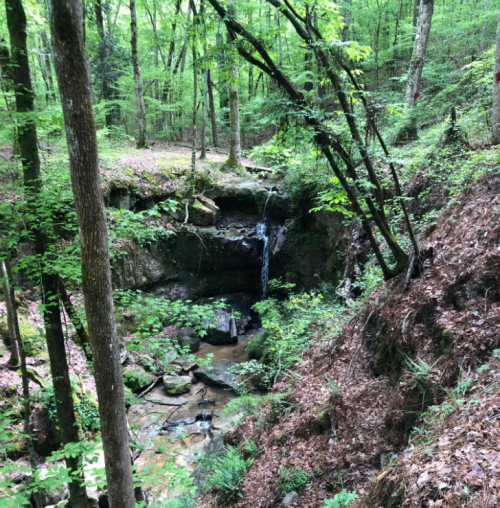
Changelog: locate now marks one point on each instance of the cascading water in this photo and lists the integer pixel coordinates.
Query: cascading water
(263, 235)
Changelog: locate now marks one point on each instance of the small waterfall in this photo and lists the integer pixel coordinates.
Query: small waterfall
(264, 236)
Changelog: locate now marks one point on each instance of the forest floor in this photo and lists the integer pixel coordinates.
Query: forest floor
(449, 318)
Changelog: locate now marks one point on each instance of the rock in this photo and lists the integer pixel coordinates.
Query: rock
(185, 364)
(210, 204)
(422, 480)
(221, 374)
(291, 499)
(55, 495)
(202, 215)
(172, 369)
(188, 338)
(136, 378)
(175, 385)
(225, 330)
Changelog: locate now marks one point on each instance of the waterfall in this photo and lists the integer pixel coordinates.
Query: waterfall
(264, 236)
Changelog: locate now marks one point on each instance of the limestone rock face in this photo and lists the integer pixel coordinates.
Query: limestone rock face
(175, 385)
(222, 374)
(188, 338)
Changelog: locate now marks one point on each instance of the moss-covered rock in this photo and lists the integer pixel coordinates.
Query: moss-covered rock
(34, 343)
(136, 378)
(175, 385)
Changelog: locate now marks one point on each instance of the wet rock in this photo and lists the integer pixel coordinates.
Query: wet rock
(172, 370)
(222, 374)
(291, 499)
(175, 385)
(224, 332)
(136, 378)
(188, 338)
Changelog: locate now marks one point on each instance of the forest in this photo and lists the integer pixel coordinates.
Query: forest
(249, 253)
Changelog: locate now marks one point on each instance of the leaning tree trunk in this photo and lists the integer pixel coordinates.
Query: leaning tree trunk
(495, 139)
(419, 51)
(141, 111)
(28, 148)
(74, 89)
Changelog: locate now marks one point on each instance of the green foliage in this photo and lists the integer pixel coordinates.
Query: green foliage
(343, 498)
(229, 471)
(293, 480)
(149, 315)
(289, 325)
(86, 410)
(144, 227)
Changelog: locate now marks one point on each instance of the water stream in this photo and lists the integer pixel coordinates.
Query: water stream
(262, 231)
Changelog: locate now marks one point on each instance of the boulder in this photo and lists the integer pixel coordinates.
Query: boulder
(136, 378)
(221, 374)
(175, 385)
(224, 332)
(189, 339)
(202, 215)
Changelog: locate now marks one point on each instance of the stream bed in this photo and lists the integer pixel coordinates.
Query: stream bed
(187, 427)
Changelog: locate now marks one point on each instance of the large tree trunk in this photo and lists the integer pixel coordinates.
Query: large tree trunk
(74, 89)
(234, 159)
(141, 111)
(28, 148)
(13, 323)
(495, 138)
(419, 51)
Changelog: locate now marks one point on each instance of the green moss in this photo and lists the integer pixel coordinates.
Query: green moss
(34, 343)
(136, 378)
(445, 339)
(324, 418)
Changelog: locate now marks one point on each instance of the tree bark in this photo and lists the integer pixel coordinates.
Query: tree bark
(495, 138)
(10, 304)
(28, 148)
(73, 316)
(74, 89)
(234, 159)
(141, 110)
(419, 51)
(213, 117)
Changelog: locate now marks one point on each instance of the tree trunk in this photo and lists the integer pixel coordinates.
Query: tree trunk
(222, 85)
(15, 334)
(74, 89)
(394, 68)
(195, 108)
(75, 320)
(280, 44)
(213, 117)
(10, 304)
(48, 66)
(347, 14)
(28, 147)
(141, 111)
(234, 159)
(495, 138)
(419, 51)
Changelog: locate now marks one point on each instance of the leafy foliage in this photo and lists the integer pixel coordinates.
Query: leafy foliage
(229, 471)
